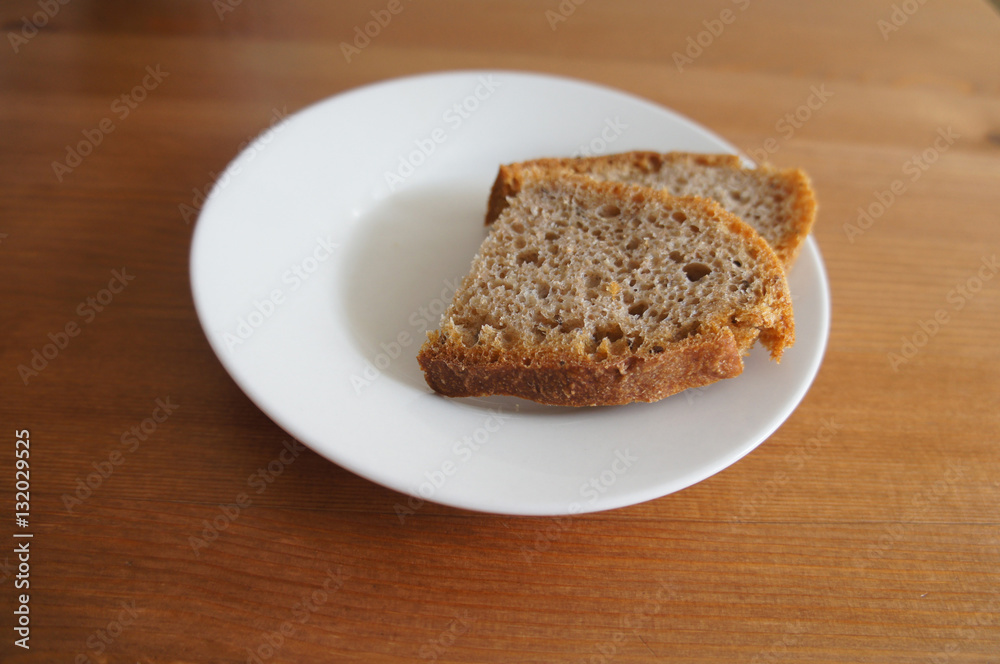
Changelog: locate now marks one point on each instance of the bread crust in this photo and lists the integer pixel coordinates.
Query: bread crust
(512, 177)
(564, 379)
(804, 206)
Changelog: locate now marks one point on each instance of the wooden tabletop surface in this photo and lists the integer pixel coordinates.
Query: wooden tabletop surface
(866, 529)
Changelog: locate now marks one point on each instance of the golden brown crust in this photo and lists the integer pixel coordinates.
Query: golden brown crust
(508, 183)
(804, 206)
(564, 379)
(511, 178)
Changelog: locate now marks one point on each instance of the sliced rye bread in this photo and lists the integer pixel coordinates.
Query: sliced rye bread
(779, 204)
(602, 293)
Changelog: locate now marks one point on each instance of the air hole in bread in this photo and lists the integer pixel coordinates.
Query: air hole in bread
(550, 236)
(676, 257)
(679, 217)
(609, 210)
(571, 325)
(520, 243)
(543, 291)
(696, 271)
(738, 196)
(634, 264)
(689, 330)
(610, 332)
(543, 321)
(593, 280)
(638, 309)
(632, 245)
(517, 227)
(530, 256)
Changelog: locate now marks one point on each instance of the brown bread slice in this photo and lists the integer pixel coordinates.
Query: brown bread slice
(601, 293)
(779, 204)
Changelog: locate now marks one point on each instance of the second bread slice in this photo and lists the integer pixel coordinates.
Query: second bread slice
(778, 204)
(600, 293)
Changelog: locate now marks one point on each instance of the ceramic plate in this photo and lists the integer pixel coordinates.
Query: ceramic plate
(334, 241)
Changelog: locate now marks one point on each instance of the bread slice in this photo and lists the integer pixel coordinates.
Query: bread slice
(601, 293)
(778, 204)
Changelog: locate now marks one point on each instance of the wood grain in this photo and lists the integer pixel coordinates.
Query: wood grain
(864, 530)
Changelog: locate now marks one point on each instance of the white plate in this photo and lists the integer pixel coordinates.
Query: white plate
(333, 242)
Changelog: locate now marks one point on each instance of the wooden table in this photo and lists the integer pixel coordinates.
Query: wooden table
(865, 529)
